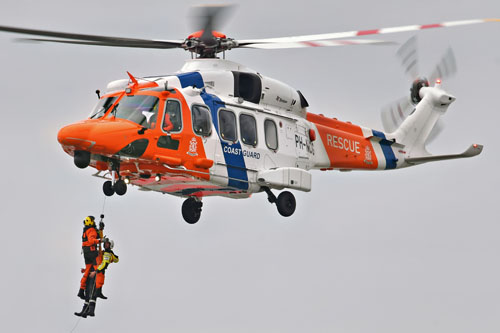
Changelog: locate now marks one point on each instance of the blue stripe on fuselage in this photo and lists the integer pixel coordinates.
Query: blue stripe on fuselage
(390, 158)
(236, 169)
(191, 79)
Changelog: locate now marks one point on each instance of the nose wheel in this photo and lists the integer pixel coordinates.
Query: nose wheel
(191, 210)
(285, 202)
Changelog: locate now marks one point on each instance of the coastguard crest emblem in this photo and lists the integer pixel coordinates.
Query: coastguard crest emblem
(193, 147)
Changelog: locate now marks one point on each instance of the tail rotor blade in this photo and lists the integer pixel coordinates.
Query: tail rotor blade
(436, 130)
(446, 67)
(409, 57)
(394, 114)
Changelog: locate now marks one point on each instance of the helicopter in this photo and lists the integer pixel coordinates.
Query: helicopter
(219, 128)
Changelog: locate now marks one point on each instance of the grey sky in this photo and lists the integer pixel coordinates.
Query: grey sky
(412, 250)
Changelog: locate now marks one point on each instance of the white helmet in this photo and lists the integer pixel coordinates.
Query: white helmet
(111, 243)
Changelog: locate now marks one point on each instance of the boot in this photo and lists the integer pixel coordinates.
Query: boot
(83, 313)
(81, 293)
(91, 309)
(99, 294)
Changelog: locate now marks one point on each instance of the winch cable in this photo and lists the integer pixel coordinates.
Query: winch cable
(74, 327)
(101, 225)
(103, 205)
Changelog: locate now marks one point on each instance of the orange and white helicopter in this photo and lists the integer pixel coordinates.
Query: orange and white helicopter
(218, 128)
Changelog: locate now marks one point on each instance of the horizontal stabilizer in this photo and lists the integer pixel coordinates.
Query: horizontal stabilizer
(472, 151)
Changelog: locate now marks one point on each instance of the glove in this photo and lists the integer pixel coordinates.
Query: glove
(101, 225)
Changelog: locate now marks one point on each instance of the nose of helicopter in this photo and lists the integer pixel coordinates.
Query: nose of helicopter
(102, 136)
(76, 135)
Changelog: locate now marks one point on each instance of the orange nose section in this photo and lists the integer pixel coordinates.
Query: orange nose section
(99, 136)
(76, 135)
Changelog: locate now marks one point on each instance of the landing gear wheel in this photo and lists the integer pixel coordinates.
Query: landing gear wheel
(286, 203)
(82, 158)
(191, 210)
(107, 188)
(120, 187)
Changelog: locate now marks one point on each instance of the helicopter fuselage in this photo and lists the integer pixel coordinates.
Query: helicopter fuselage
(217, 128)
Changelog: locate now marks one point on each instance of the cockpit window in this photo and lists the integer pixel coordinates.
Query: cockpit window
(102, 107)
(140, 109)
(172, 122)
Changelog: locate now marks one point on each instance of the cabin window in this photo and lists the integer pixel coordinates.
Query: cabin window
(248, 129)
(271, 134)
(201, 120)
(141, 109)
(172, 121)
(227, 124)
(102, 107)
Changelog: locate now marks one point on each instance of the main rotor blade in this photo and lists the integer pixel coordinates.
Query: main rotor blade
(96, 39)
(350, 34)
(319, 43)
(208, 18)
(150, 45)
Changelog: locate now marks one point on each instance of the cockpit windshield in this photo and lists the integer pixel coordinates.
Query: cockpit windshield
(141, 109)
(102, 106)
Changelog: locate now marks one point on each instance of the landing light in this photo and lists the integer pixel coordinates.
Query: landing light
(127, 180)
(158, 178)
(438, 81)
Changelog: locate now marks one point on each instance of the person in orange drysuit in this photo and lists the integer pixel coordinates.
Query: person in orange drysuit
(90, 240)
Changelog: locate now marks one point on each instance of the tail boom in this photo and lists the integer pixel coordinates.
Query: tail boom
(345, 146)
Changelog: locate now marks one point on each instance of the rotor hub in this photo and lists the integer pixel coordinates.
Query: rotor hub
(208, 47)
(415, 89)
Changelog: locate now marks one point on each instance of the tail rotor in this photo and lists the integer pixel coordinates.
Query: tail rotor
(395, 113)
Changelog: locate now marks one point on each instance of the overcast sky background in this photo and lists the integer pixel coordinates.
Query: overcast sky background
(413, 250)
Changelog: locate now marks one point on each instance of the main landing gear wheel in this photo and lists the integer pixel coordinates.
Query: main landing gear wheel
(286, 203)
(107, 188)
(120, 187)
(191, 210)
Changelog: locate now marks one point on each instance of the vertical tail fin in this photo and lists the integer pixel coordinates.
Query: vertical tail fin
(415, 130)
